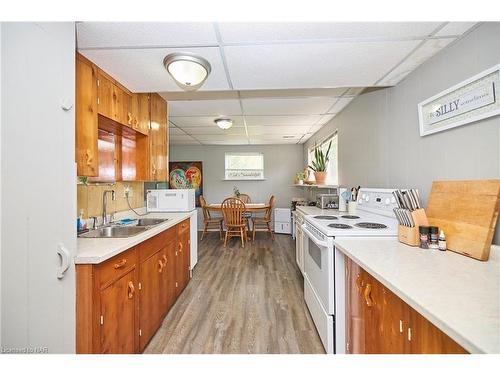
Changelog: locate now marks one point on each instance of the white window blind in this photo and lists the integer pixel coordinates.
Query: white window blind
(332, 168)
(244, 166)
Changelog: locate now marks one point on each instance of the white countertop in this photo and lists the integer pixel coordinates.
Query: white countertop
(459, 295)
(97, 250)
(313, 210)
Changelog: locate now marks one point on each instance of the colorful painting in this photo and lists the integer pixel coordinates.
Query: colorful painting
(187, 175)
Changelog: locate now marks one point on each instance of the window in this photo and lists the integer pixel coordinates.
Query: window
(244, 166)
(332, 168)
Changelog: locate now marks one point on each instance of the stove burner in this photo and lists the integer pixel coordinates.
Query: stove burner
(350, 217)
(371, 225)
(340, 226)
(325, 217)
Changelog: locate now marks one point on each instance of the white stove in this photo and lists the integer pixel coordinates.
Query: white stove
(324, 277)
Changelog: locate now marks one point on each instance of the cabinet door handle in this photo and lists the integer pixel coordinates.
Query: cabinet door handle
(165, 260)
(88, 156)
(129, 118)
(359, 283)
(180, 247)
(160, 266)
(131, 290)
(409, 334)
(400, 326)
(120, 264)
(368, 295)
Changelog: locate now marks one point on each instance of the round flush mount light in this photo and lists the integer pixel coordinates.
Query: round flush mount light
(224, 123)
(188, 70)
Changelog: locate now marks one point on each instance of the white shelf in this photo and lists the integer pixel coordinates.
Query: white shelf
(317, 186)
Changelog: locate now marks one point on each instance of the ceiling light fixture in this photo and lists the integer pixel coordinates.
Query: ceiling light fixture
(188, 70)
(224, 123)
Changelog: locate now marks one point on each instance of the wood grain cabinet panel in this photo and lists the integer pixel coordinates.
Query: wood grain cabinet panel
(379, 322)
(108, 101)
(142, 113)
(158, 149)
(118, 303)
(86, 118)
(121, 302)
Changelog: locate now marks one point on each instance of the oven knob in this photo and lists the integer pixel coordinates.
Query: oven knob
(387, 201)
(367, 198)
(393, 200)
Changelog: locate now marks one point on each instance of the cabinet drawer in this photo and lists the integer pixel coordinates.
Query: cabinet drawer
(183, 226)
(116, 266)
(151, 246)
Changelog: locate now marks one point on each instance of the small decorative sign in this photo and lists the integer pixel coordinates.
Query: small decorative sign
(474, 99)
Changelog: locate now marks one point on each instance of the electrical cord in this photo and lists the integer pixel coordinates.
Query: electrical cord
(129, 206)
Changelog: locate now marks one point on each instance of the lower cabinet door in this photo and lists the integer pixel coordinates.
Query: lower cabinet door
(425, 338)
(118, 312)
(168, 290)
(355, 314)
(150, 304)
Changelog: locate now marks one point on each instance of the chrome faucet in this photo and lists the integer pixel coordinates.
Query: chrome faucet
(105, 220)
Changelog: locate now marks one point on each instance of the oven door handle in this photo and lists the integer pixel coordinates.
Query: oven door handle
(314, 238)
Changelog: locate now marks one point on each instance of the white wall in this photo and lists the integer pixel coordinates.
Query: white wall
(281, 163)
(1, 185)
(379, 141)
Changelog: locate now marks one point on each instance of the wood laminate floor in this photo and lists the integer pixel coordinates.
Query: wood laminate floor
(241, 300)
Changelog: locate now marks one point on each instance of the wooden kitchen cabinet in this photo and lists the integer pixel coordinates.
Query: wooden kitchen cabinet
(118, 302)
(379, 322)
(158, 132)
(86, 130)
(122, 301)
(139, 113)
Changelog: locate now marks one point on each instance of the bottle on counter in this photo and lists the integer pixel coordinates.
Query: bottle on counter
(433, 238)
(424, 237)
(442, 241)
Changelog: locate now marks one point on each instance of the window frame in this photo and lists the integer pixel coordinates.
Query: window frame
(243, 178)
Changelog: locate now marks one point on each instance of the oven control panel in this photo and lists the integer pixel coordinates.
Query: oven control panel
(379, 201)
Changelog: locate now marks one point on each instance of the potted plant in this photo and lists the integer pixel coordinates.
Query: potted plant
(300, 177)
(320, 163)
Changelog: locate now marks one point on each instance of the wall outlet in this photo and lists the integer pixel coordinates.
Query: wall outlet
(128, 190)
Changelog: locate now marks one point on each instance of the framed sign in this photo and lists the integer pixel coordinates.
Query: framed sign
(471, 100)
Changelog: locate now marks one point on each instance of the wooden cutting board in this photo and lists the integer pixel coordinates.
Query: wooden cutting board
(467, 211)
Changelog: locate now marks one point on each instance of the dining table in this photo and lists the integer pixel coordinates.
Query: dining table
(249, 207)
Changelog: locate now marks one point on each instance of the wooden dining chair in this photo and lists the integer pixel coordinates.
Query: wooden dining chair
(232, 212)
(247, 215)
(264, 222)
(208, 220)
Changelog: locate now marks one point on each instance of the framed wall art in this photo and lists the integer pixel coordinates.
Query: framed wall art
(187, 175)
(472, 100)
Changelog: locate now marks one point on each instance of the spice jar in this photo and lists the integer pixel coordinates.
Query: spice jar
(424, 237)
(433, 238)
(442, 241)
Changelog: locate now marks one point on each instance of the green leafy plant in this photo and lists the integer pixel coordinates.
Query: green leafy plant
(300, 176)
(321, 159)
(236, 191)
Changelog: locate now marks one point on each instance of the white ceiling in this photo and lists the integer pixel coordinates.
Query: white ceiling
(292, 59)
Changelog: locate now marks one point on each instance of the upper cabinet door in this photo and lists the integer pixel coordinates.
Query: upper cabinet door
(142, 114)
(158, 139)
(124, 99)
(109, 97)
(86, 118)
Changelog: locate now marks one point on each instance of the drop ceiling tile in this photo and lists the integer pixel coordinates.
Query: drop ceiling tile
(273, 142)
(325, 119)
(276, 137)
(455, 28)
(142, 70)
(205, 121)
(185, 142)
(144, 34)
(277, 130)
(242, 32)
(423, 53)
(339, 105)
(182, 136)
(175, 131)
(313, 65)
(218, 137)
(287, 106)
(215, 130)
(204, 108)
(282, 120)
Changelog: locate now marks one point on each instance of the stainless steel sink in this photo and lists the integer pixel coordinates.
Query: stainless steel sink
(114, 232)
(147, 222)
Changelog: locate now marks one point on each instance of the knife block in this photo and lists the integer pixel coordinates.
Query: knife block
(411, 235)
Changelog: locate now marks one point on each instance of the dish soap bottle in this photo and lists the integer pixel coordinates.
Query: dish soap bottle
(442, 241)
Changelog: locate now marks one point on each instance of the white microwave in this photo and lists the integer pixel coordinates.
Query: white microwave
(170, 200)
